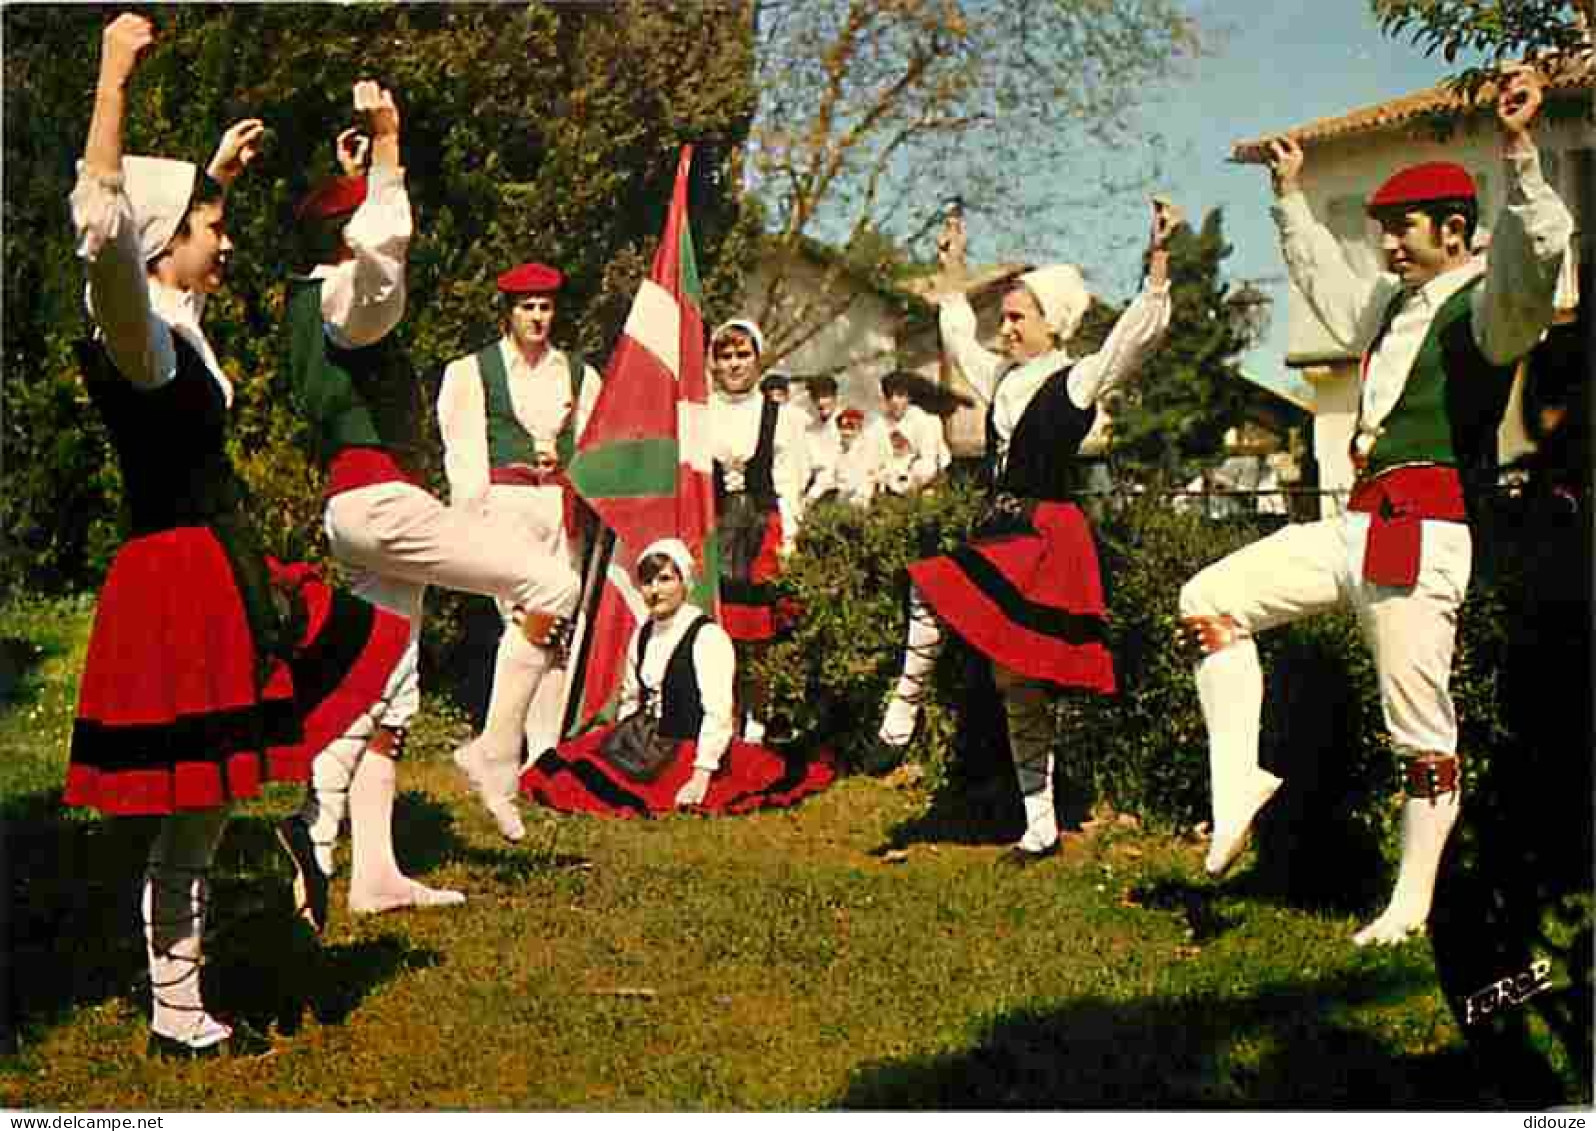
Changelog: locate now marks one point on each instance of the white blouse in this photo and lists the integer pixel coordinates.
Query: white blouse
(363, 298)
(1129, 343)
(136, 314)
(733, 429)
(715, 665)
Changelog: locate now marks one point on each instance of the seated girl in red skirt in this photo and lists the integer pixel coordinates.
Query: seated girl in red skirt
(681, 668)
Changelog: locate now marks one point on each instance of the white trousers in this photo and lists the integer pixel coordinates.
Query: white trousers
(397, 539)
(1312, 567)
(535, 517)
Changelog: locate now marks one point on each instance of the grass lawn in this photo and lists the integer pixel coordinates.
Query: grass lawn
(781, 961)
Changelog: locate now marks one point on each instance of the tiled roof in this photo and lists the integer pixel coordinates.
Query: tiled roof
(1579, 78)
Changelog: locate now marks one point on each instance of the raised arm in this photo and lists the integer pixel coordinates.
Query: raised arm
(140, 344)
(1141, 327)
(1340, 297)
(1515, 302)
(363, 299)
(956, 320)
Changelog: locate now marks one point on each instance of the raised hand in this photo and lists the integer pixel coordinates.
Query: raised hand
(1285, 164)
(1167, 216)
(351, 148)
(1518, 100)
(124, 42)
(239, 146)
(374, 105)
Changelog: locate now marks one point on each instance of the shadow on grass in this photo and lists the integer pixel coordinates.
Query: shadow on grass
(1274, 1048)
(18, 657)
(75, 936)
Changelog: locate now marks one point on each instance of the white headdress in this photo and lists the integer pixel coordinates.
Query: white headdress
(745, 325)
(1061, 293)
(159, 190)
(674, 549)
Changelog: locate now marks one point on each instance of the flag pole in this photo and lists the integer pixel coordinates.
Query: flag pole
(598, 557)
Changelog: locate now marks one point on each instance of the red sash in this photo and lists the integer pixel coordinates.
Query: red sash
(353, 468)
(1397, 502)
(522, 475)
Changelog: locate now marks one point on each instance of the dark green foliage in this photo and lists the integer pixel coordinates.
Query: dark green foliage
(830, 672)
(530, 131)
(1172, 419)
(1498, 31)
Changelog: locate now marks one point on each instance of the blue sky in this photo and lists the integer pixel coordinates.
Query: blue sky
(1275, 64)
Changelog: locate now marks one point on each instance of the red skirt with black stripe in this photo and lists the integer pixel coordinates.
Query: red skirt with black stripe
(577, 778)
(749, 606)
(169, 714)
(1030, 602)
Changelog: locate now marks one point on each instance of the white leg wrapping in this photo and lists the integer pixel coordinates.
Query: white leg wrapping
(327, 800)
(375, 881)
(1425, 828)
(1230, 688)
(173, 907)
(492, 761)
(919, 660)
(1031, 742)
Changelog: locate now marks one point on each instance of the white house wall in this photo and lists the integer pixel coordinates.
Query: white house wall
(859, 345)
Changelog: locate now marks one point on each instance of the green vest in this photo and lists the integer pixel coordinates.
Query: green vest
(1453, 400)
(367, 397)
(508, 441)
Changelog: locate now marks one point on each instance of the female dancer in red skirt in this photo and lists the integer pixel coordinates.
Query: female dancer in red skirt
(1027, 592)
(210, 669)
(682, 667)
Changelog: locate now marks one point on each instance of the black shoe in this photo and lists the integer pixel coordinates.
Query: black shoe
(243, 1041)
(1018, 859)
(310, 882)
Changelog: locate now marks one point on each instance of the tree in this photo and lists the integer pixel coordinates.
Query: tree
(872, 112)
(1174, 414)
(1501, 30)
(545, 131)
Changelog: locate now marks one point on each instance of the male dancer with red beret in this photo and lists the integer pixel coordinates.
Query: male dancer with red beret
(357, 389)
(510, 415)
(1440, 337)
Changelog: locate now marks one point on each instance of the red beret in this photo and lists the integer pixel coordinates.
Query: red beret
(1419, 184)
(335, 196)
(850, 416)
(530, 278)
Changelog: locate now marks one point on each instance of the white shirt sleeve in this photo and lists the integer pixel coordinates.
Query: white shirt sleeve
(463, 423)
(363, 299)
(1135, 335)
(585, 400)
(1514, 303)
(789, 470)
(1342, 299)
(929, 438)
(956, 319)
(139, 341)
(631, 691)
(715, 664)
